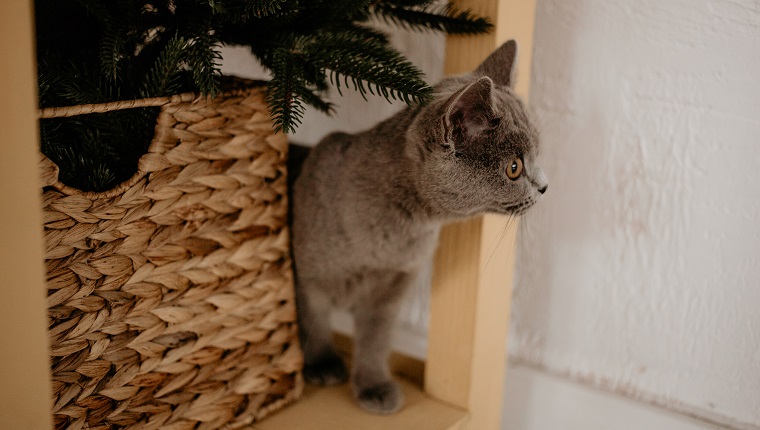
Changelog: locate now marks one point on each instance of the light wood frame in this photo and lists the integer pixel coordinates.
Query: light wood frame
(472, 278)
(458, 387)
(25, 392)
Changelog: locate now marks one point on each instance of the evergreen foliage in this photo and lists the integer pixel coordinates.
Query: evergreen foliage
(95, 51)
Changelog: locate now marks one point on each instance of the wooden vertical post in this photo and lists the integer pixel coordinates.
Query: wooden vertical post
(472, 277)
(24, 361)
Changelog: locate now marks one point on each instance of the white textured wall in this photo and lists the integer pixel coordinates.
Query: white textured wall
(640, 271)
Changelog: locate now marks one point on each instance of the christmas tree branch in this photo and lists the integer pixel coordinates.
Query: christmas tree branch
(444, 18)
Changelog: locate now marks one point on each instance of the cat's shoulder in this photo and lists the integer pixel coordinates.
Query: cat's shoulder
(335, 147)
(335, 141)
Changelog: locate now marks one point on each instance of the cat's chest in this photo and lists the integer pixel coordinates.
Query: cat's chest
(398, 246)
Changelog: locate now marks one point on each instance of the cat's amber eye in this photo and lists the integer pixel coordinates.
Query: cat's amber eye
(514, 168)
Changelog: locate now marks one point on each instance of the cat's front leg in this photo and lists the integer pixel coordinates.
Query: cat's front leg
(322, 365)
(372, 384)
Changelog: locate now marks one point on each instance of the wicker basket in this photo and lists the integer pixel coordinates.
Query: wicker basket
(170, 297)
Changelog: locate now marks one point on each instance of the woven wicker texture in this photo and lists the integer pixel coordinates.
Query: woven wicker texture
(170, 298)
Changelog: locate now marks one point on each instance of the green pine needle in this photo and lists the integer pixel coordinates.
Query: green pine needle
(204, 59)
(112, 49)
(163, 77)
(236, 10)
(367, 66)
(283, 92)
(444, 18)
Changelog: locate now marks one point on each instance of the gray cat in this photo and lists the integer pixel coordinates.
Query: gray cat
(367, 209)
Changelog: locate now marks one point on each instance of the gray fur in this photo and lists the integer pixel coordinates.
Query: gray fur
(367, 209)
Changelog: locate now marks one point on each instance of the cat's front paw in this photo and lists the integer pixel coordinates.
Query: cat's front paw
(325, 370)
(384, 398)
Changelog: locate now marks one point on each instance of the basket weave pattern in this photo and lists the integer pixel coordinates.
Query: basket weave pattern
(170, 297)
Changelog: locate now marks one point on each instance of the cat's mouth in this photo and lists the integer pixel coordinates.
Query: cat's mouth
(518, 208)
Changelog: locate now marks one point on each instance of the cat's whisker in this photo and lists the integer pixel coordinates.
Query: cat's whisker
(498, 240)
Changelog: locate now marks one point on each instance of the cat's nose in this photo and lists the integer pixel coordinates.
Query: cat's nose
(539, 180)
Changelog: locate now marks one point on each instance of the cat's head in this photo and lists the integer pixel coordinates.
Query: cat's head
(476, 145)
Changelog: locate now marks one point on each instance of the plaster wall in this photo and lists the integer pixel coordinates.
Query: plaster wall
(640, 271)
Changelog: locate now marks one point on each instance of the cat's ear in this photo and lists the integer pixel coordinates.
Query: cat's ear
(501, 64)
(470, 111)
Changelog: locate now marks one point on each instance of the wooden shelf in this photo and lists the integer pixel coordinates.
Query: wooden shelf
(333, 408)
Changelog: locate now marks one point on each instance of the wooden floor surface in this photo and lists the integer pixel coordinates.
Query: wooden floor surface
(333, 408)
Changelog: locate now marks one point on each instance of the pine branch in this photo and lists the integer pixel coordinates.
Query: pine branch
(283, 92)
(237, 10)
(80, 85)
(439, 18)
(314, 77)
(204, 59)
(112, 35)
(334, 13)
(112, 51)
(98, 11)
(365, 63)
(315, 101)
(48, 83)
(163, 77)
(365, 32)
